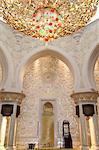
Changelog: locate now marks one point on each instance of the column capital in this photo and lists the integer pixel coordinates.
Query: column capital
(85, 96)
(6, 96)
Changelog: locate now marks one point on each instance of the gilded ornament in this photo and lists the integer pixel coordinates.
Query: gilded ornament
(48, 19)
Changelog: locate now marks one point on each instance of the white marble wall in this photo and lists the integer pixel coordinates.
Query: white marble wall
(46, 79)
(76, 49)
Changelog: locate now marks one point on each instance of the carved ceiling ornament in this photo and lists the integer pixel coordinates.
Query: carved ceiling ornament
(11, 97)
(48, 19)
(85, 97)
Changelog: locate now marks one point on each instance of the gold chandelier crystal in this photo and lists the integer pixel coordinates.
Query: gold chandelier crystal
(48, 19)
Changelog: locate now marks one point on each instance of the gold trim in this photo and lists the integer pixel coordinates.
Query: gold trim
(6, 96)
(85, 96)
(75, 15)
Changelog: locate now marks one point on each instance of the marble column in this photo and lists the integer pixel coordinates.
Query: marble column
(87, 97)
(83, 129)
(95, 130)
(11, 143)
(0, 121)
(13, 98)
(7, 132)
(0, 114)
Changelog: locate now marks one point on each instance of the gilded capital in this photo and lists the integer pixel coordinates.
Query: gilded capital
(85, 96)
(6, 96)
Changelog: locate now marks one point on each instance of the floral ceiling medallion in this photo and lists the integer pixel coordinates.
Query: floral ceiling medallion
(48, 19)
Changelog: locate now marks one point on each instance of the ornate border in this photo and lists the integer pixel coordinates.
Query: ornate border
(85, 96)
(6, 96)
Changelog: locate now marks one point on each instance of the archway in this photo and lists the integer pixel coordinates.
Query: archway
(92, 84)
(88, 68)
(3, 69)
(7, 67)
(43, 51)
(47, 79)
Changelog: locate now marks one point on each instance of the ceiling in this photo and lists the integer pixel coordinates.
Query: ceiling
(48, 19)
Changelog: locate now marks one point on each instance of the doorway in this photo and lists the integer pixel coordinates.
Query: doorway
(47, 131)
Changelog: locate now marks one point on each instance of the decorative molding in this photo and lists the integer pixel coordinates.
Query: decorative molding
(11, 97)
(85, 96)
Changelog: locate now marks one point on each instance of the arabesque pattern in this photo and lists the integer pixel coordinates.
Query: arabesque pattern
(48, 19)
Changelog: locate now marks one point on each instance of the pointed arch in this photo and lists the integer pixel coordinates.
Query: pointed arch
(88, 69)
(42, 51)
(7, 66)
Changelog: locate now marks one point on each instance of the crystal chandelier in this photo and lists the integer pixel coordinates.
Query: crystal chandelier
(48, 19)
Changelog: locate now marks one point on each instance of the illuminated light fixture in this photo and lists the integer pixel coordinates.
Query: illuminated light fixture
(48, 19)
